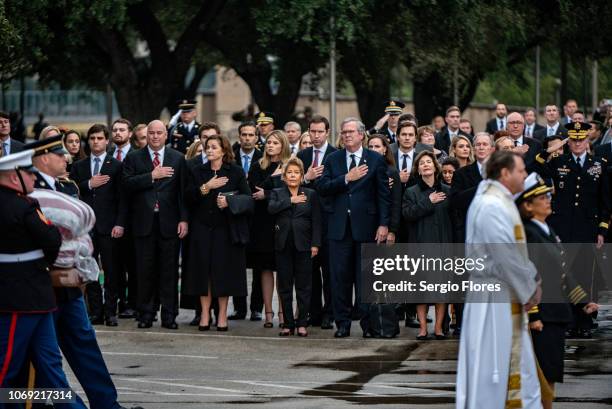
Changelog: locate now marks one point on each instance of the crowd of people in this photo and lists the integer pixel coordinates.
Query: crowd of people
(178, 200)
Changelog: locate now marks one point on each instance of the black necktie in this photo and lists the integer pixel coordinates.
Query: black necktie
(57, 186)
(578, 162)
(405, 161)
(353, 163)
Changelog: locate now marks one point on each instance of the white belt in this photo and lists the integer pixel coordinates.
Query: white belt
(27, 256)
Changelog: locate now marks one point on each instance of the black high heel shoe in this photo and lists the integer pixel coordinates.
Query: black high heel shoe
(222, 329)
(203, 327)
(269, 323)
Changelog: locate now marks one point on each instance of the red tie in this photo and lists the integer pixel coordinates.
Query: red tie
(119, 154)
(156, 164)
(316, 158)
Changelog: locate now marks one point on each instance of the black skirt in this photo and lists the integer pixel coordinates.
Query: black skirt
(261, 260)
(549, 347)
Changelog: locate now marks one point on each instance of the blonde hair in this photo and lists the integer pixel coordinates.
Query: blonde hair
(285, 153)
(293, 161)
(47, 129)
(193, 148)
(456, 140)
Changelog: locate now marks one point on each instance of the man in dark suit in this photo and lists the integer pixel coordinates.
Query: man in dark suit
(99, 179)
(313, 159)
(154, 177)
(531, 126)
(355, 180)
(553, 127)
(127, 284)
(446, 134)
(500, 122)
(527, 147)
(569, 108)
(387, 125)
(7, 144)
(187, 129)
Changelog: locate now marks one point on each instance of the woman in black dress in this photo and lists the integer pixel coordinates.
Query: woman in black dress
(426, 210)
(297, 241)
(378, 143)
(265, 175)
(548, 322)
(220, 201)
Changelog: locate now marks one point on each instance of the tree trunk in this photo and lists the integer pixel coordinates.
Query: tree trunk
(372, 101)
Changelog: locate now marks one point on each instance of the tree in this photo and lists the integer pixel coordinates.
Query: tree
(97, 43)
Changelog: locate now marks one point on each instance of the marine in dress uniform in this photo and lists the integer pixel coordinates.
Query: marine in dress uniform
(394, 109)
(75, 335)
(183, 134)
(28, 245)
(581, 206)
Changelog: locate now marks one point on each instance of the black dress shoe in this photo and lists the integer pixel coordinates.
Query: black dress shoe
(145, 324)
(127, 313)
(170, 325)
(222, 329)
(195, 321)
(96, 320)
(256, 316)
(440, 337)
(422, 337)
(342, 333)
(236, 316)
(111, 322)
(203, 327)
(327, 323)
(412, 323)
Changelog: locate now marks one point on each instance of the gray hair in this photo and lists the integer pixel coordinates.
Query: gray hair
(361, 128)
(484, 135)
(294, 124)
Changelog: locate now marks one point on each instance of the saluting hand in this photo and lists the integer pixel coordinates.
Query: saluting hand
(357, 173)
(381, 122)
(556, 145)
(161, 172)
(299, 198)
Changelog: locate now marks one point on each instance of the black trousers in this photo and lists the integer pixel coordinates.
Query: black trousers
(320, 303)
(126, 271)
(345, 269)
(240, 303)
(157, 270)
(105, 249)
(294, 268)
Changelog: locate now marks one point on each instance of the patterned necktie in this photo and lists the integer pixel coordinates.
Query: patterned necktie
(96, 169)
(353, 163)
(315, 163)
(119, 153)
(551, 131)
(156, 159)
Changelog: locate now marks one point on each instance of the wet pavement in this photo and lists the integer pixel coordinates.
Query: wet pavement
(251, 367)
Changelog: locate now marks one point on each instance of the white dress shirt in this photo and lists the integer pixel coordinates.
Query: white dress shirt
(160, 152)
(250, 155)
(6, 145)
(49, 179)
(92, 162)
(553, 128)
(581, 157)
(519, 141)
(400, 159)
(204, 158)
(124, 151)
(543, 226)
(358, 154)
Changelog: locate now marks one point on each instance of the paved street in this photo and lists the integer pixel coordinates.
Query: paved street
(252, 367)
